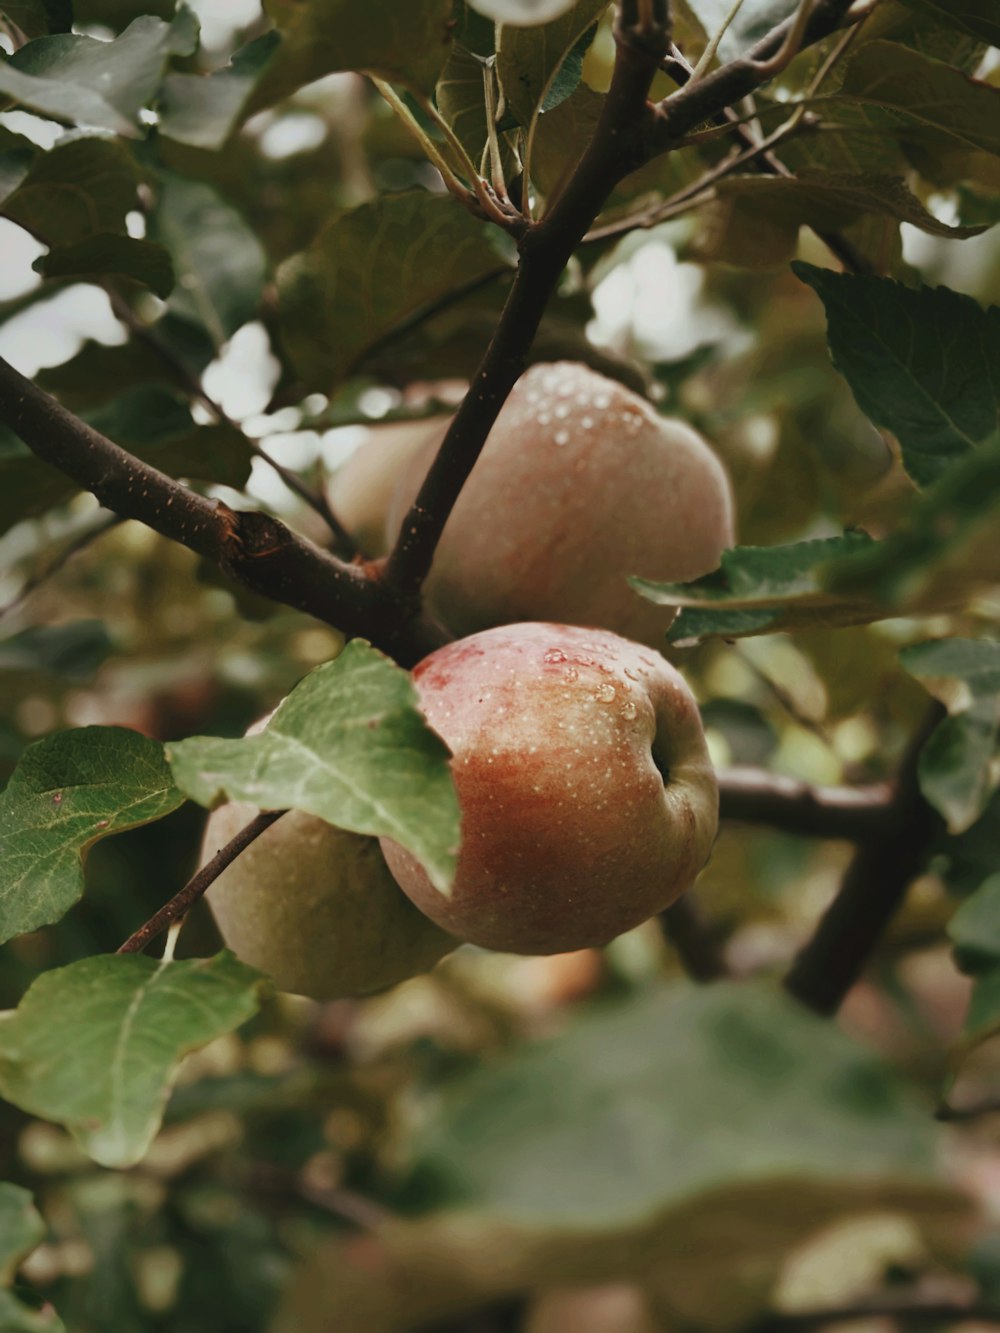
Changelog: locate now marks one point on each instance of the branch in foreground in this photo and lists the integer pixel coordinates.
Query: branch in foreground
(199, 883)
(754, 796)
(253, 548)
(873, 887)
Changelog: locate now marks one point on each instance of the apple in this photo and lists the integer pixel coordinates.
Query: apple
(316, 907)
(362, 488)
(588, 798)
(580, 484)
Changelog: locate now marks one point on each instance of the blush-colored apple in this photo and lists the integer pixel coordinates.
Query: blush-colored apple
(316, 908)
(580, 484)
(587, 795)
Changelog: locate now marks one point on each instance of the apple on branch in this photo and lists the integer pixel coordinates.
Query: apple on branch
(588, 798)
(580, 484)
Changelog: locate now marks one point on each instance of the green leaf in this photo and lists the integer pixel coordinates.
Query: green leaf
(630, 1111)
(975, 933)
(923, 363)
(219, 262)
(958, 770)
(69, 791)
(203, 110)
(82, 188)
(97, 1045)
(404, 43)
(107, 255)
(21, 1230)
(530, 60)
(916, 94)
(461, 100)
(348, 745)
(73, 650)
(371, 269)
(17, 1318)
(976, 17)
(151, 423)
(58, 76)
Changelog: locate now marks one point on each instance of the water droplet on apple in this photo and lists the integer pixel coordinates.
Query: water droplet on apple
(602, 400)
(629, 710)
(605, 692)
(571, 674)
(554, 655)
(562, 437)
(544, 418)
(587, 423)
(561, 410)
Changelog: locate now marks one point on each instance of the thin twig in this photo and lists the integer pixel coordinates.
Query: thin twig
(754, 796)
(72, 548)
(182, 902)
(872, 889)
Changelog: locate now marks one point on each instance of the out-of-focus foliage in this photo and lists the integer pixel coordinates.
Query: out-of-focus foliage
(507, 1139)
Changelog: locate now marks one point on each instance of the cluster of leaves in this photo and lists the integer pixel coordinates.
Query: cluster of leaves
(161, 191)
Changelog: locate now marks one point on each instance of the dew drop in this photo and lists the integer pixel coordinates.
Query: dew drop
(543, 418)
(605, 693)
(587, 423)
(562, 437)
(602, 400)
(632, 675)
(571, 674)
(554, 655)
(561, 410)
(629, 710)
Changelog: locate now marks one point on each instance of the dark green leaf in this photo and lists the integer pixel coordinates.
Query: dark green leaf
(58, 76)
(203, 110)
(73, 650)
(69, 791)
(974, 930)
(17, 1318)
(629, 1111)
(532, 61)
(37, 18)
(83, 187)
(21, 1230)
(979, 18)
(218, 260)
(111, 256)
(958, 764)
(97, 1045)
(405, 43)
(349, 745)
(924, 363)
(371, 269)
(461, 99)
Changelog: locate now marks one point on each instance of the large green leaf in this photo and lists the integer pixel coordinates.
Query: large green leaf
(349, 745)
(532, 61)
(371, 269)
(97, 1045)
(74, 649)
(151, 423)
(21, 1231)
(59, 75)
(219, 262)
(203, 110)
(402, 42)
(69, 791)
(650, 1103)
(924, 363)
(81, 188)
(106, 255)
(959, 768)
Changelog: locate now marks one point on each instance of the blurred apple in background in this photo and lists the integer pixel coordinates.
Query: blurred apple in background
(588, 798)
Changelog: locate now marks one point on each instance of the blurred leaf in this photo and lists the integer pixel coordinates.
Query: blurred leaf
(974, 930)
(405, 43)
(21, 1229)
(81, 188)
(959, 771)
(753, 20)
(541, 66)
(219, 262)
(761, 215)
(977, 17)
(58, 76)
(371, 269)
(348, 745)
(966, 861)
(98, 371)
(97, 1045)
(69, 791)
(204, 109)
(151, 423)
(17, 1318)
(74, 649)
(923, 363)
(110, 256)
(37, 18)
(461, 99)
(630, 1110)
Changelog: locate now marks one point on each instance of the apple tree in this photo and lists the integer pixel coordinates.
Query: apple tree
(271, 278)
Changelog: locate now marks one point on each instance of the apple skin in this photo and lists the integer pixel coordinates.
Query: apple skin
(571, 834)
(580, 484)
(316, 907)
(361, 490)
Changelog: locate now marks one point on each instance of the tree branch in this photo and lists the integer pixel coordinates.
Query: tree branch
(196, 887)
(697, 944)
(872, 889)
(754, 796)
(253, 548)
